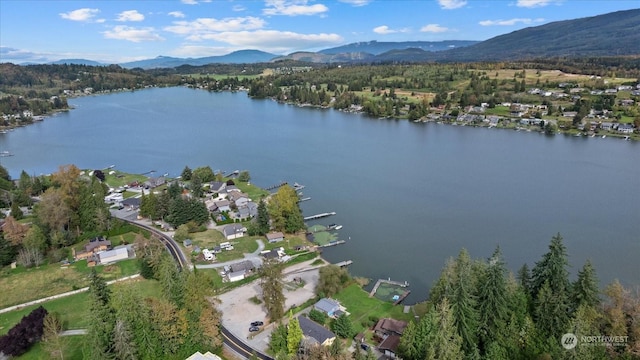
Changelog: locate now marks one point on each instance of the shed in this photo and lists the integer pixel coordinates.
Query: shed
(328, 306)
(236, 275)
(275, 237)
(117, 254)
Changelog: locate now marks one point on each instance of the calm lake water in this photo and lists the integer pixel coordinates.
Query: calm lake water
(409, 195)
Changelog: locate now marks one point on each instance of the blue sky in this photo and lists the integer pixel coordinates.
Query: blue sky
(118, 31)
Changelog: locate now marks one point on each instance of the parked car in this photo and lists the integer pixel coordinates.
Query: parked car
(254, 328)
(364, 347)
(257, 323)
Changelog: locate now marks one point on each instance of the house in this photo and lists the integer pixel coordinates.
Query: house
(233, 231)
(222, 205)
(274, 253)
(315, 333)
(606, 126)
(217, 186)
(94, 246)
(328, 306)
(236, 275)
(387, 326)
(131, 203)
(625, 129)
(246, 266)
(247, 211)
(389, 346)
(117, 254)
(273, 237)
(154, 182)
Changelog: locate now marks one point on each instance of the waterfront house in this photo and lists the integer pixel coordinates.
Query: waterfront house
(273, 237)
(387, 326)
(233, 231)
(315, 333)
(625, 129)
(328, 306)
(154, 182)
(217, 186)
(247, 211)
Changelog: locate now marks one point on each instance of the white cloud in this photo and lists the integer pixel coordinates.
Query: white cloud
(510, 22)
(293, 8)
(196, 51)
(274, 40)
(357, 2)
(452, 4)
(130, 15)
(434, 28)
(84, 15)
(384, 29)
(238, 8)
(199, 28)
(177, 14)
(535, 3)
(122, 32)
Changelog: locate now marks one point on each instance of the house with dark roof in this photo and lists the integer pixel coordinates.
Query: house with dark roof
(387, 326)
(217, 186)
(315, 333)
(389, 346)
(245, 265)
(132, 203)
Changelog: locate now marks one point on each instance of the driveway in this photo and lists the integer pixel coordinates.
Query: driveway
(254, 257)
(238, 311)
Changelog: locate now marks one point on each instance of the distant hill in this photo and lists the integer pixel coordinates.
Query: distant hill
(78, 62)
(236, 57)
(611, 34)
(376, 47)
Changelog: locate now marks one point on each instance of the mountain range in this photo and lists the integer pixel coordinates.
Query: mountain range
(611, 34)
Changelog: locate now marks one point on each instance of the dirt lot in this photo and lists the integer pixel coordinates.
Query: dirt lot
(238, 311)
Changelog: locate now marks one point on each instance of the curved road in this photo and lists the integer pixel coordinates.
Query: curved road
(230, 340)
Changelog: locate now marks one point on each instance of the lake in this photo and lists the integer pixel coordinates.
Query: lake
(409, 195)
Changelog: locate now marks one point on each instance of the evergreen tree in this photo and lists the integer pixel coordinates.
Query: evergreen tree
(446, 343)
(278, 339)
(492, 301)
(550, 273)
(186, 173)
(343, 327)
(99, 343)
(272, 290)
(262, 218)
(463, 303)
(16, 212)
(196, 187)
(294, 335)
(585, 290)
(8, 251)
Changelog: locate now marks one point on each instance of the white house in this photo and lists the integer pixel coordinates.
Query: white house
(233, 231)
(273, 237)
(111, 256)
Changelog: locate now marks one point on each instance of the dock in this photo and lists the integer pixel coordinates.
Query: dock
(332, 243)
(318, 216)
(277, 186)
(304, 199)
(389, 281)
(344, 263)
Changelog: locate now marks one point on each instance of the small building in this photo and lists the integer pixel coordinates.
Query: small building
(245, 265)
(273, 237)
(111, 256)
(236, 275)
(132, 203)
(187, 243)
(206, 356)
(233, 231)
(389, 346)
(328, 306)
(315, 333)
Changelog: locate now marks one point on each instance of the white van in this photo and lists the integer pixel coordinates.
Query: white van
(225, 245)
(208, 255)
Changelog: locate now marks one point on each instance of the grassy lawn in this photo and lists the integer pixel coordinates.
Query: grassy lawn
(255, 193)
(361, 307)
(126, 238)
(74, 311)
(47, 280)
(210, 238)
(120, 179)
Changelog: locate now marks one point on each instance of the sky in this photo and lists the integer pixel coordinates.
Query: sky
(116, 31)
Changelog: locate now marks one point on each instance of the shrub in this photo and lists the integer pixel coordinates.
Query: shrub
(318, 316)
(20, 337)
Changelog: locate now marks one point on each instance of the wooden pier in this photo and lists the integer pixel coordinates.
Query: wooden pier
(304, 199)
(277, 186)
(318, 216)
(332, 243)
(344, 263)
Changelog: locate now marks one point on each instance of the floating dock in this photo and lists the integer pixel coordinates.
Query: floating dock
(304, 199)
(344, 263)
(318, 216)
(332, 243)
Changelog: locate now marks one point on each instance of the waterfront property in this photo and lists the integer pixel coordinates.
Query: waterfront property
(330, 307)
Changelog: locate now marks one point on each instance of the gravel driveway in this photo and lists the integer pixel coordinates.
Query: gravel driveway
(238, 311)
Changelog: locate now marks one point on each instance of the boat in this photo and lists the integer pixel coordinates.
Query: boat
(5, 153)
(604, 136)
(297, 186)
(338, 227)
